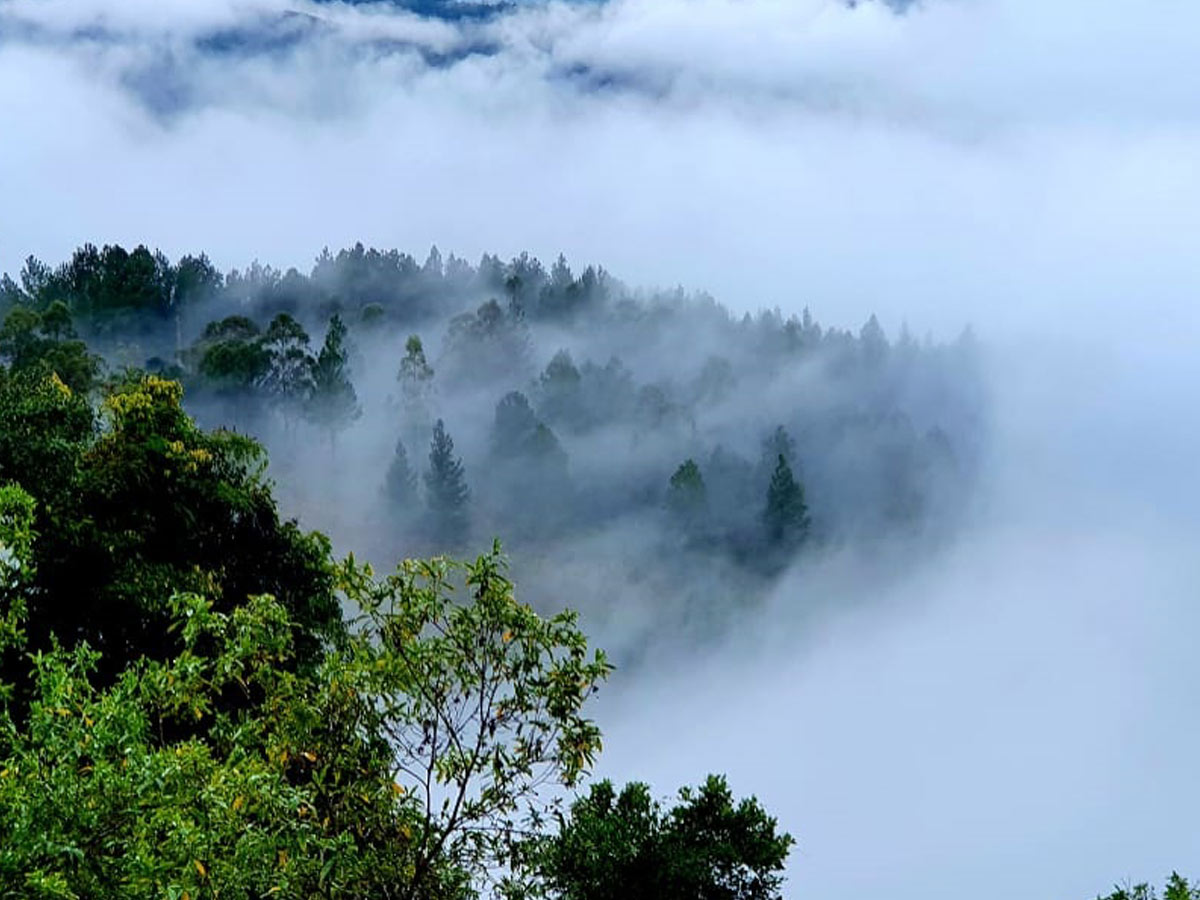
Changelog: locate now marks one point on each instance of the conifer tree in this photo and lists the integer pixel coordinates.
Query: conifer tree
(401, 482)
(333, 404)
(687, 496)
(786, 514)
(446, 489)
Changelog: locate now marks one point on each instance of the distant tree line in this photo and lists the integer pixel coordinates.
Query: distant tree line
(847, 458)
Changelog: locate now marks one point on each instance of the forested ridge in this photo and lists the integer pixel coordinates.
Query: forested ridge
(204, 698)
(573, 403)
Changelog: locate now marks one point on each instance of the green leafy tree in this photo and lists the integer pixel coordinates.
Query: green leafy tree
(627, 847)
(46, 343)
(290, 364)
(229, 356)
(481, 700)
(401, 766)
(148, 506)
(446, 491)
(154, 785)
(786, 515)
(333, 403)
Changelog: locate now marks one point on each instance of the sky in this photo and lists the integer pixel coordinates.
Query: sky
(1021, 725)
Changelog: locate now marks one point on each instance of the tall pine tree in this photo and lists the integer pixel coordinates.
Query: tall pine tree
(333, 404)
(446, 490)
(786, 515)
(400, 485)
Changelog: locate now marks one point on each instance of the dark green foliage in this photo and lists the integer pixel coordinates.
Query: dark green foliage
(231, 355)
(490, 343)
(786, 515)
(446, 491)
(527, 472)
(558, 390)
(46, 343)
(514, 426)
(333, 402)
(626, 847)
(1177, 889)
(150, 506)
(401, 482)
(687, 496)
(290, 363)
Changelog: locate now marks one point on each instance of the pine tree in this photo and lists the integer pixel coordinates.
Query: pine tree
(446, 489)
(786, 514)
(333, 403)
(687, 496)
(401, 482)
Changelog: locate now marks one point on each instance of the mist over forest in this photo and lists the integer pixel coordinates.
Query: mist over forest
(676, 458)
(825, 368)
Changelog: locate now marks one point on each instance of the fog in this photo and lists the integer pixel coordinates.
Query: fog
(1012, 711)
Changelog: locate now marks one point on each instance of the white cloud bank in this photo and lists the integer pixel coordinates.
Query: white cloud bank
(1023, 723)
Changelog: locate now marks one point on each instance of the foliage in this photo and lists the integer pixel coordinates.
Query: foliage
(482, 701)
(446, 490)
(333, 402)
(786, 514)
(290, 363)
(686, 493)
(401, 481)
(149, 506)
(46, 343)
(231, 354)
(16, 564)
(626, 847)
(1177, 889)
(415, 372)
(146, 789)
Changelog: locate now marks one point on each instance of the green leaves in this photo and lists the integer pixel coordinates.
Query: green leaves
(482, 701)
(625, 847)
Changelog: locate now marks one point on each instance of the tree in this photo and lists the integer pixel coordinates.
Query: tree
(786, 514)
(777, 443)
(446, 490)
(527, 471)
(415, 372)
(513, 426)
(687, 498)
(1177, 889)
(148, 786)
(290, 363)
(558, 390)
(625, 847)
(401, 481)
(482, 702)
(47, 343)
(148, 506)
(333, 403)
(230, 356)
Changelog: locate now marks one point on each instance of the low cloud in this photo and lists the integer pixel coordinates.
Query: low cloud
(1010, 718)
